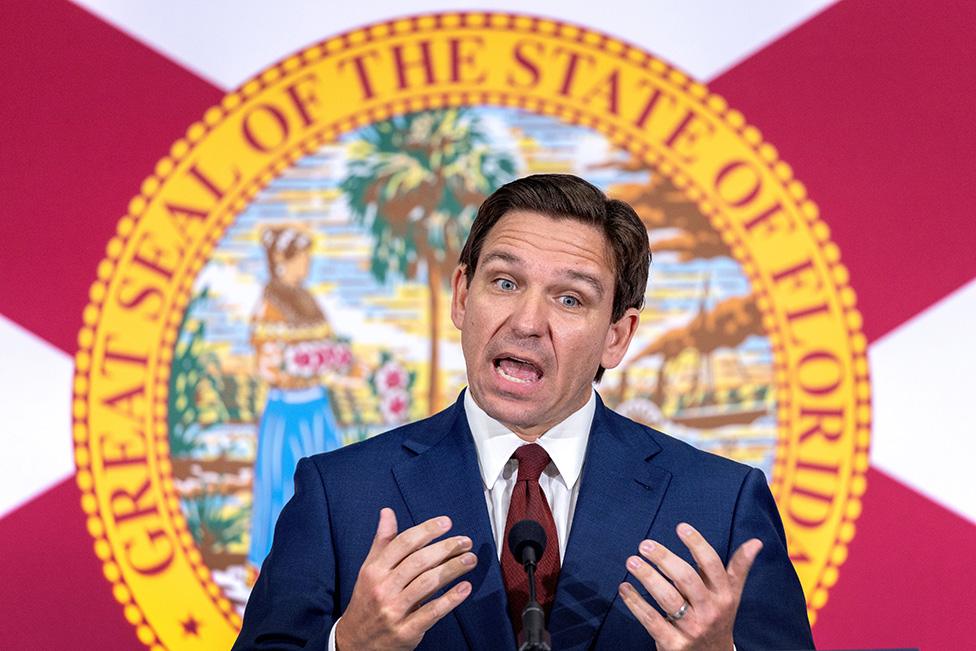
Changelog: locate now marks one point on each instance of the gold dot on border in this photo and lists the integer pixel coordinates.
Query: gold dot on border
(858, 485)
(111, 572)
(97, 292)
(105, 269)
(89, 316)
(102, 550)
(95, 527)
(79, 409)
(768, 153)
(145, 635)
(179, 149)
(82, 457)
(292, 63)
(125, 225)
(864, 437)
(819, 599)
(839, 272)
(132, 614)
(783, 171)
(137, 205)
(88, 502)
(735, 119)
(810, 210)
(114, 248)
(213, 116)
(84, 480)
(164, 166)
(847, 297)
(864, 413)
(271, 75)
(798, 190)
(195, 132)
(838, 555)
(251, 87)
(79, 432)
(829, 577)
(717, 104)
(230, 102)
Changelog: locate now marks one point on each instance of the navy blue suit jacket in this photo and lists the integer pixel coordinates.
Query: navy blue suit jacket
(637, 483)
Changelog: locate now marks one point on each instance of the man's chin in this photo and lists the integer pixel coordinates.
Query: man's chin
(512, 411)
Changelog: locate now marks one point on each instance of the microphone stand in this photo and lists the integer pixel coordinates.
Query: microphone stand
(535, 636)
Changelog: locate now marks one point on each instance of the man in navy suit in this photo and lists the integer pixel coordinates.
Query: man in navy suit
(651, 541)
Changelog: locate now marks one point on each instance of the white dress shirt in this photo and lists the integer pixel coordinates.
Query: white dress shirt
(565, 444)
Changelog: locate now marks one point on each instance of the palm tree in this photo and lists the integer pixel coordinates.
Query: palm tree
(416, 181)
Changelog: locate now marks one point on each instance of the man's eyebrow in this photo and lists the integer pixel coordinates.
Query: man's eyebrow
(501, 256)
(589, 279)
(574, 274)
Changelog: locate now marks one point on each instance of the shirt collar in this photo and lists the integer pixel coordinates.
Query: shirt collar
(565, 442)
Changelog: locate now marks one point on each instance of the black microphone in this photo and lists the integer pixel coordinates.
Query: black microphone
(527, 542)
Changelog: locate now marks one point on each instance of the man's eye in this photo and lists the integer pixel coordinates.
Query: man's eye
(569, 301)
(505, 284)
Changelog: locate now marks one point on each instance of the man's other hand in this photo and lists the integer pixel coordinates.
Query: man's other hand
(387, 609)
(701, 605)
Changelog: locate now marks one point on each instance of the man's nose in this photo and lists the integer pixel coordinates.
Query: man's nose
(531, 315)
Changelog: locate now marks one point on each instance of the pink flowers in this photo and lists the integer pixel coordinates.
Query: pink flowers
(310, 358)
(392, 382)
(395, 406)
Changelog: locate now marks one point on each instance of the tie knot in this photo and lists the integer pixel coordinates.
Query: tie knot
(532, 459)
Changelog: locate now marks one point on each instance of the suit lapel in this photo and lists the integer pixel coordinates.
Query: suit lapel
(619, 497)
(443, 479)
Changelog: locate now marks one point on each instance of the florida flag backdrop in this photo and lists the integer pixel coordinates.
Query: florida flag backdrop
(227, 230)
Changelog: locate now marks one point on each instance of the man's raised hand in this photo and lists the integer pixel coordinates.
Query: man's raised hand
(387, 609)
(701, 604)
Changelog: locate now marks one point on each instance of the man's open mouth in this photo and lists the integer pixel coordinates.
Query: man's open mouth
(517, 370)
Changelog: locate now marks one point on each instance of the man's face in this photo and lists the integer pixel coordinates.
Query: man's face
(535, 320)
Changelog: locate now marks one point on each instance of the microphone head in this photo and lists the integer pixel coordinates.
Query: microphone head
(526, 534)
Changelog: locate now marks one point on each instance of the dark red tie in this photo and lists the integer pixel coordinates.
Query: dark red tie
(529, 502)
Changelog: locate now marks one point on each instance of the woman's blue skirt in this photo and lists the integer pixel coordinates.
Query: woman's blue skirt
(295, 424)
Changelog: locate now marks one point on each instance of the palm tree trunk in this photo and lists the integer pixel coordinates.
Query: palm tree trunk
(434, 286)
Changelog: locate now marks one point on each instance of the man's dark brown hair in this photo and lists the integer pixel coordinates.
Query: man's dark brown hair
(564, 196)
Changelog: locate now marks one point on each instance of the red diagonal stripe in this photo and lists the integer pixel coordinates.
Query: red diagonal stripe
(871, 103)
(908, 581)
(51, 585)
(86, 112)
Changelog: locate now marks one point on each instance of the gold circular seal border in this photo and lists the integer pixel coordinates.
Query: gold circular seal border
(564, 110)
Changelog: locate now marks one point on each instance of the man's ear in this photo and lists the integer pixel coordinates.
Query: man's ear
(459, 295)
(618, 338)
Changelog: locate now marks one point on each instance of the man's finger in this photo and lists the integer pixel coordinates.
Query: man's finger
(664, 634)
(684, 576)
(742, 561)
(705, 556)
(433, 611)
(665, 594)
(386, 531)
(412, 539)
(428, 557)
(436, 578)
